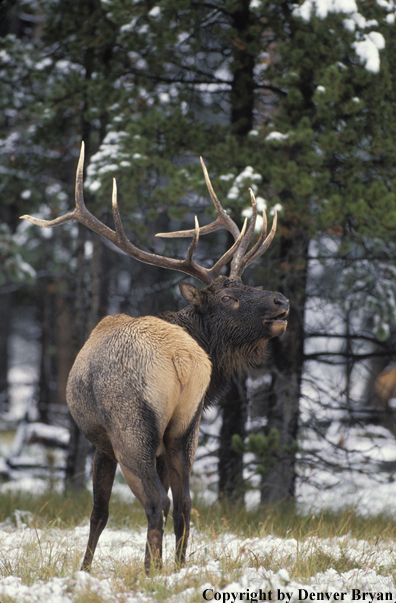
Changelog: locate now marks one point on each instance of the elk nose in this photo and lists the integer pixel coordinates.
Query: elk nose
(281, 302)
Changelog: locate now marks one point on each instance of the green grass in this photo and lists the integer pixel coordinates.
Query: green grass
(70, 509)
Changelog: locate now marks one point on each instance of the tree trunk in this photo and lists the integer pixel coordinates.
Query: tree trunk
(234, 416)
(234, 404)
(47, 377)
(78, 445)
(5, 313)
(243, 84)
(85, 321)
(285, 363)
(100, 270)
(64, 361)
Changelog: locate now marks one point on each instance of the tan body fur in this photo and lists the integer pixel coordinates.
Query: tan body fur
(385, 385)
(170, 369)
(136, 391)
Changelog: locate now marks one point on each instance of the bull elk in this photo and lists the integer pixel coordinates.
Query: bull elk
(138, 387)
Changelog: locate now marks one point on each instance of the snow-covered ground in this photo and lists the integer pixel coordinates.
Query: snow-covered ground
(42, 565)
(220, 568)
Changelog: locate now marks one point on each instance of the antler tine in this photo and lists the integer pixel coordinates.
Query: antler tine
(116, 215)
(261, 238)
(188, 265)
(259, 248)
(194, 243)
(216, 269)
(69, 217)
(262, 245)
(239, 255)
(223, 220)
(80, 212)
(79, 189)
(241, 258)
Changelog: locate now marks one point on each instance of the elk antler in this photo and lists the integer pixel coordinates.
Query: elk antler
(120, 240)
(241, 259)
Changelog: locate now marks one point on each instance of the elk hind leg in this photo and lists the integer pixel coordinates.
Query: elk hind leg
(104, 468)
(180, 452)
(148, 489)
(162, 470)
(180, 483)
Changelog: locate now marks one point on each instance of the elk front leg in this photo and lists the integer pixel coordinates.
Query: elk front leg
(104, 468)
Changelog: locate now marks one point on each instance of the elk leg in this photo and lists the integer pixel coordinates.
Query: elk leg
(162, 471)
(104, 468)
(180, 455)
(180, 484)
(149, 490)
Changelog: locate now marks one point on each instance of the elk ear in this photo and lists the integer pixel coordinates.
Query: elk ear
(191, 294)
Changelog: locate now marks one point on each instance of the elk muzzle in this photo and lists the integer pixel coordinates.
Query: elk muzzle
(276, 320)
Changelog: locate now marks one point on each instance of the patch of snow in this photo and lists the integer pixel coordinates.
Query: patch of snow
(68, 67)
(4, 56)
(226, 177)
(277, 136)
(155, 11)
(368, 50)
(324, 7)
(128, 27)
(110, 167)
(94, 186)
(388, 4)
(41, 65)
(164, 97)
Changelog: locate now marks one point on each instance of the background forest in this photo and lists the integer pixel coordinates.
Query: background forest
(297, 102)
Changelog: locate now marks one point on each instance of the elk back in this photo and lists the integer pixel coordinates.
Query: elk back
(133, 371)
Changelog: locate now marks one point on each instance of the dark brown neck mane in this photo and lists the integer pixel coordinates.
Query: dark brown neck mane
(226, 358)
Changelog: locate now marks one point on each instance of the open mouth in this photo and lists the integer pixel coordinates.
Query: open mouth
(281, 317)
